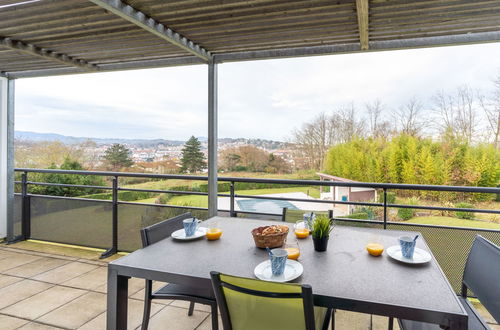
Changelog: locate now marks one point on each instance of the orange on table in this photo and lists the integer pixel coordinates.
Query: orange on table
(213, 234)
(375, 249)
(293, 253)
(301, 232)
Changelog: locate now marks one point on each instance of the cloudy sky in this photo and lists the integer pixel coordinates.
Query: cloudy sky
(260, 99)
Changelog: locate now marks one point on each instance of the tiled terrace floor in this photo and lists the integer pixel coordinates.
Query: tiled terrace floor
(49, 287)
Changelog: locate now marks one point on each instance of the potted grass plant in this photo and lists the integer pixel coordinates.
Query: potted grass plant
(320, 232)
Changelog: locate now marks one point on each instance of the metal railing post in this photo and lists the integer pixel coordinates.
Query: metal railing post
(26, 208)
(114, 214)
(385, 208)
(231, 207)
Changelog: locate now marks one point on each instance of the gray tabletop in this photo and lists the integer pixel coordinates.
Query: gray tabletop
(344, 277)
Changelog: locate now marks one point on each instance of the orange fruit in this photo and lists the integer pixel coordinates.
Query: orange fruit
(375, 249)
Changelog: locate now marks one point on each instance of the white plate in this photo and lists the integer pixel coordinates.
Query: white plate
(419, 256)
(293, 269)
(181, 234)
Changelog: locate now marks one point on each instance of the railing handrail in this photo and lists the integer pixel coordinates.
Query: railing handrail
(392, 186)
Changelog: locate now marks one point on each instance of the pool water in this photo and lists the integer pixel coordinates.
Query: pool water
(263, 205)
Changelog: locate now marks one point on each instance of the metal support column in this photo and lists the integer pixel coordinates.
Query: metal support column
(114, 222)
(7, 158)
(212, 139)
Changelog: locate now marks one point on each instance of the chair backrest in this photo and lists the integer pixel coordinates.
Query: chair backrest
(162, 229)
(253, 304)
(482, 275)
(293, 216)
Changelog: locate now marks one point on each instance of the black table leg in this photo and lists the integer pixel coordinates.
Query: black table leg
(117, 301)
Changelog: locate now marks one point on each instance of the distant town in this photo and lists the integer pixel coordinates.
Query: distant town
(149, 151)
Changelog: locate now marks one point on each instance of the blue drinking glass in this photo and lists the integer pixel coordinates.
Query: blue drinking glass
(407, 246)
(190, 226)
(278, 261)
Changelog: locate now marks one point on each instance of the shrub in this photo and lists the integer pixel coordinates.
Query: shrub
(462, 214)
(163, 198)
(357, 215)
(408, 213)
(127, 196)
(391, 197)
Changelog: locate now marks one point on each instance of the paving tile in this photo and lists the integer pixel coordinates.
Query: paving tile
(352, 321)
(20, 290)
(134, 286)
(176, 318)
(37, 326)
(36, 267)
(9, 322)
(65, 273)
(43, 302)
(382, 323)
(135, 310)
(5, 254)
(93, 262)
(6, 280)
(156, 285)
(197, 307)
(15, 260)
(90, 280)
(77, 312)
(207, 324)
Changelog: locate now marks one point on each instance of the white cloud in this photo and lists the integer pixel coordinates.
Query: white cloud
(263, 99)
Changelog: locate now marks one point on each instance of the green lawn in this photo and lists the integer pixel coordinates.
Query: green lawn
(449, 221)
(202, 201)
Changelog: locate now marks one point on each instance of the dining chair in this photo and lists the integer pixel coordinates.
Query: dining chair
(247, 304)
(482, 277)
(153, 234)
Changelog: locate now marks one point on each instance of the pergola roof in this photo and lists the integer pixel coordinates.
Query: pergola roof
(49, 37)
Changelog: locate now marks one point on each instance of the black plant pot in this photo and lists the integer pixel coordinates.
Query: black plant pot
(320, 244)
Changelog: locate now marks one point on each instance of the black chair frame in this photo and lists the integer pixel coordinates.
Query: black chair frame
(153, 234)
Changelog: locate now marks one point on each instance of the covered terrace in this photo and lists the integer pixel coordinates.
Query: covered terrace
(40, 38)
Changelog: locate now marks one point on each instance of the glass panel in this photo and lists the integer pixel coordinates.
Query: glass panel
(18, 203)
(70, 221)
(450, 247)
(132, 217)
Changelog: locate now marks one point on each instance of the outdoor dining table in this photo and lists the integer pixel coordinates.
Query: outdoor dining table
(344, 277)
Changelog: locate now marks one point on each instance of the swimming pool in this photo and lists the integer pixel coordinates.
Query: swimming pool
(264, 205)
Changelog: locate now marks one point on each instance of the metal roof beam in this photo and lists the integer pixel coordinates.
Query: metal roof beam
(362, 10)
(438, 41)
(46, 53)
(106, 67)
(140, 19)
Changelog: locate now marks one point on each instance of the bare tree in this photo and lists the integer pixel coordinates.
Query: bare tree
(410, 119)
(313, 139)
(445, 111)
(457, 113)
(345, 126)
(491, 109)
(378, 128)
(466, 119)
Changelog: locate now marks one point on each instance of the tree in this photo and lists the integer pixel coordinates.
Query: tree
(378, 128)
(74, 179)
(192, 160)
(491, 109)
(118, 156)
(457, 113)
(409, 118)
(314, 138)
